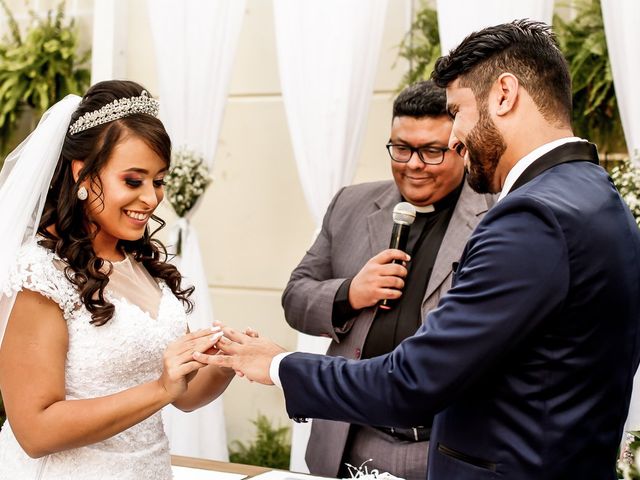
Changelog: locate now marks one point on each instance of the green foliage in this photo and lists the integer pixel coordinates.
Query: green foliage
(271, 447)
(595, 109)
(420, 46)
(38, 70)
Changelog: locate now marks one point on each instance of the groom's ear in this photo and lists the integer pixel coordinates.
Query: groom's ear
(76, 167)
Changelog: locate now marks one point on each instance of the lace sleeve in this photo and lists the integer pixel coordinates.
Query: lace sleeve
(35, 269)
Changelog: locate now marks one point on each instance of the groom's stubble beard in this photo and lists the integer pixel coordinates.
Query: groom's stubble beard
(485, 146)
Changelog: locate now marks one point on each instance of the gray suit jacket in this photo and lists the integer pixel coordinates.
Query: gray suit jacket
(356, 227)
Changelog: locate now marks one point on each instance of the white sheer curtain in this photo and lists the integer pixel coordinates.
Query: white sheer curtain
(621, 20)
(327, 55)
(195, 42)
(477, 15)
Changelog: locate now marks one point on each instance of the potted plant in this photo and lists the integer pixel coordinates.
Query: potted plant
(37, 69)
(271, 447)
(420, 46)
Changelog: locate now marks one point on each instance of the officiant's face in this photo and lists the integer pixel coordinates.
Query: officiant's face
(423, 183)
(127, 191)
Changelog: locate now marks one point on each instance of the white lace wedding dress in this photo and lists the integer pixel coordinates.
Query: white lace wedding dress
(125, 352)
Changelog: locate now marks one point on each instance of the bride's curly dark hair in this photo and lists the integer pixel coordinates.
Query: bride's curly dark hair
(64, 224)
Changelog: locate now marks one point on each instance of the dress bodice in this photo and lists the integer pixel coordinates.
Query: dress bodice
(101, 360)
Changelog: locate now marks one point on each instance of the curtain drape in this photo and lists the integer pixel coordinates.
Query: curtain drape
(477, 15)
(327, 56)
(195, 43)
(621, 19)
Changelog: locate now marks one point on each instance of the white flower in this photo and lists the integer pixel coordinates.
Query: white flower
(186, 181)
(626, 177)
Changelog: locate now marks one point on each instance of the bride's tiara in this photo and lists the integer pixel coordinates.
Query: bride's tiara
(120, 108)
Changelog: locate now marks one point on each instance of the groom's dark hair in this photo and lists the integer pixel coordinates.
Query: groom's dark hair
(524, 48)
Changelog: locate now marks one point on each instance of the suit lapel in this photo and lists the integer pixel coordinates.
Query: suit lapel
(464, 219)
(569, 152)
(380, 222)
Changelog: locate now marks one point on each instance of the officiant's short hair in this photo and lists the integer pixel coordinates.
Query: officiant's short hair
(421, 99)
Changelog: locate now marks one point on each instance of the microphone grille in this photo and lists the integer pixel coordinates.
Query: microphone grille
(404, 213)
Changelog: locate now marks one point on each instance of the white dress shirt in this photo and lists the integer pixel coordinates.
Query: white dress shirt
(274, 368)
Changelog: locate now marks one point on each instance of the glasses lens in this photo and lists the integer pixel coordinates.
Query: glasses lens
(432, 154)
(400, 153)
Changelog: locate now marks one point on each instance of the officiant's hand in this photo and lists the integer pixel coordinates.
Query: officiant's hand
(247, 355)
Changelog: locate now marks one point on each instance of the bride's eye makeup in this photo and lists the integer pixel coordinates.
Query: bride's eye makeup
(133, 182)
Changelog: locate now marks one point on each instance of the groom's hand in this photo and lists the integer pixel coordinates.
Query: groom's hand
(249, 356)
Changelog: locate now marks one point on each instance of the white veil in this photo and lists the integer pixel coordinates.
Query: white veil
(24, 182)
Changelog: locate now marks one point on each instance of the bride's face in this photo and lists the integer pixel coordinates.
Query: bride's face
(127, 191)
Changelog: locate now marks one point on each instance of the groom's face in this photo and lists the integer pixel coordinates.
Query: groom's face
(475, 136)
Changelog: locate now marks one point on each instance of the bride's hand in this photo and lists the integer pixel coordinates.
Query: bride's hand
(179, 367)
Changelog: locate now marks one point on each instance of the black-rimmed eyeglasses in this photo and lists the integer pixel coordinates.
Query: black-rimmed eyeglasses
(429, 155)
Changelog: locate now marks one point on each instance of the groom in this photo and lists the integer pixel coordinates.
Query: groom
(527, 364)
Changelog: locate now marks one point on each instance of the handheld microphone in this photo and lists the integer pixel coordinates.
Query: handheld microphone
(404, 215)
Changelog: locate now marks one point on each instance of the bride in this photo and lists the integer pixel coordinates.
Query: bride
(96, 338)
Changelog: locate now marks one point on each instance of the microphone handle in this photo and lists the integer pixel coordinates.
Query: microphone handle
(399, 237)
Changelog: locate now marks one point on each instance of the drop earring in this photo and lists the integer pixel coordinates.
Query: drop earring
(82, 193)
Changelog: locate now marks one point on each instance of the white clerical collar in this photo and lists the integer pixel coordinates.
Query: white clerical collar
(425, 208)
(522, 164)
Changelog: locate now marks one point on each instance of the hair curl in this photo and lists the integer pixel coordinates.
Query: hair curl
(65, 226)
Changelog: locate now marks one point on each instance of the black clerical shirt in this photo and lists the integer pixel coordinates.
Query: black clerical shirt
(392, 326)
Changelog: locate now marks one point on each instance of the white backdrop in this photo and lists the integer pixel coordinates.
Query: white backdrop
(195, 43)
(621, 20)
(328, 52)
(459, 18)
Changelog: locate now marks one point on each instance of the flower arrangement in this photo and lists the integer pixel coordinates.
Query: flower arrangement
(628, 467)
(186, 181)
(626, 177)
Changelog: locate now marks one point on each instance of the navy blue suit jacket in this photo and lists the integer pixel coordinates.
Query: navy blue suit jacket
(527, 364)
